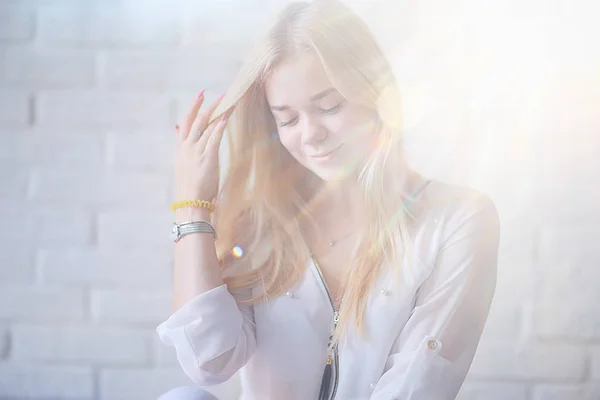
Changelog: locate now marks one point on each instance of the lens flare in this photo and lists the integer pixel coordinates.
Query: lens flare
(237, 252)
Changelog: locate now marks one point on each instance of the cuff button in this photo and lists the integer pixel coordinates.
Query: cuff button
(432, 344)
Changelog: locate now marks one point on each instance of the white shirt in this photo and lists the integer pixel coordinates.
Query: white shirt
(422, 331)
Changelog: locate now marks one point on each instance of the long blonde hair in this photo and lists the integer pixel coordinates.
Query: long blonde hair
(263, 201)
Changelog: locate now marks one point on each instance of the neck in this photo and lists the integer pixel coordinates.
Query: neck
(343, 201)
(340, 206)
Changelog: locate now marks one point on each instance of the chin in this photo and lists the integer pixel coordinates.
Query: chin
(331, 174)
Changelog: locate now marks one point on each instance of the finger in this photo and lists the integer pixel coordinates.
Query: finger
(202, 120)
(191, 115)
(220, 123)
(197, 134)
(214, 142)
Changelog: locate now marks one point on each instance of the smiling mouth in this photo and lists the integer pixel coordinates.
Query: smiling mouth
(324, 154)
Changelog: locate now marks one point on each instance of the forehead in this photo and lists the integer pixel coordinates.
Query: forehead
(296, 80)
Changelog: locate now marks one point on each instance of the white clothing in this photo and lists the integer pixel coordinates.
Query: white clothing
(422, 330)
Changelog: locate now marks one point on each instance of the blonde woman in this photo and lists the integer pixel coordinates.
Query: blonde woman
(336, 271)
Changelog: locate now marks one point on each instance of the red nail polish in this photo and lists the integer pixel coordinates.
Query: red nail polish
(176, 127)
(200, 94)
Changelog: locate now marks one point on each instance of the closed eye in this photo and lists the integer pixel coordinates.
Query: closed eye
(331, 110)
(288, 122)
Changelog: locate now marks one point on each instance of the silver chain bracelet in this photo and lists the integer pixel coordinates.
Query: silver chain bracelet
(188, 227)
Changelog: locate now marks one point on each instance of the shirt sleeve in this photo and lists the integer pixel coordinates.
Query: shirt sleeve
(431, 356)
(213, 335)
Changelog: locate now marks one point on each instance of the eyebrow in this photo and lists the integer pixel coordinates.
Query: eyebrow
(317, 96)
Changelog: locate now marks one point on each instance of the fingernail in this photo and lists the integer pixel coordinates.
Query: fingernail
(200, 93)
(221, 96)
(176, 127)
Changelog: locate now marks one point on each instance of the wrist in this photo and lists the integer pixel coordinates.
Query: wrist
(191, 214)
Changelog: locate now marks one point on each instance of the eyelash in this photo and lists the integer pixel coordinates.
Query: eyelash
(328, 111)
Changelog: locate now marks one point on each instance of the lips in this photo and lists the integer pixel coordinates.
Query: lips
(320, 155)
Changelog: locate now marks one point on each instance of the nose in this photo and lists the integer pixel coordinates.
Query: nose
(312, 132)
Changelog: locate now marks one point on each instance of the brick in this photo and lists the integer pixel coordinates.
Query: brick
(108, 27)
(46, 226)
(172, 70)
(15, 106)
(17, 265)
(29, 381)
(138, 69)
(4, 341)
(563, 242)
(530, 360)
(565, 295)
(84, 344)
(42, 68)
(16, 24)
(513, 289)
(11, 147)
(107, 266)
(15, 183)
(595, 363)
(149, 228)
(492, 391)
(34, 303)
(561, 320)
(134, 307)
(518, 245)
(100, 189)
(46, 148)
(504, 319)
(212, 70)
(62, 226)
(103, 108)
(125, 150)
(229, 28)
(589, 391)
(163, 356)
(124, 383)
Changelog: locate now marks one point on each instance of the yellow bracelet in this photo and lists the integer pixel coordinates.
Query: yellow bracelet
(193, 203)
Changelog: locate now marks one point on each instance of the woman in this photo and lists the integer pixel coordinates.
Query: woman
(337, 271)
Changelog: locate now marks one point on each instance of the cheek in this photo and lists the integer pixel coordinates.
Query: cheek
(359, 129)
(353, 117)
(290, 142)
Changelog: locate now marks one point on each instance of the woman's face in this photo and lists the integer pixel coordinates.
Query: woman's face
(322, 130)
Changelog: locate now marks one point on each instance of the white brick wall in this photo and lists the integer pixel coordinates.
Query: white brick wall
(80, 344)
(48, 68)
(503, 96)
(45, 304)
(16, 24)
(35, 381)
(15, 107)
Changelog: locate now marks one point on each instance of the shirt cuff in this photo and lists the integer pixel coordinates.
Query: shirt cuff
(208, 325)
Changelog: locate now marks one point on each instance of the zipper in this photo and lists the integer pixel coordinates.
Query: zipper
(336, 318)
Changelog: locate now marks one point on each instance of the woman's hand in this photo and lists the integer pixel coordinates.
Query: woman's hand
(197, 152)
